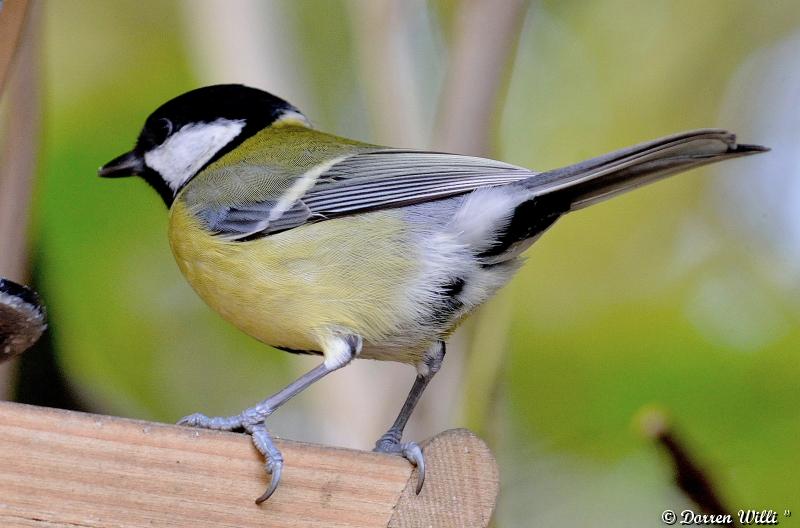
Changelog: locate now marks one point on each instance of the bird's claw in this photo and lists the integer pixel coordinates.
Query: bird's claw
(274, 460)
(274, 469)
(411, 451)
(258, 434)
(193, 420)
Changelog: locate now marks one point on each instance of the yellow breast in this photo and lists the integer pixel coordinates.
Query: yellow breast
(294, 288)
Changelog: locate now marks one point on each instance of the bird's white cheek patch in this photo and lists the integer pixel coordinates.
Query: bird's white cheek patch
(187, 150)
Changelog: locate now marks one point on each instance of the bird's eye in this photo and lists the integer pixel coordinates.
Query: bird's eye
(167, 126)
(156, 131)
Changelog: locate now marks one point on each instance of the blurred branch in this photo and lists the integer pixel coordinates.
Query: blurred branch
(387, 70)
(21, 126)
(485, 36)
(12, 17)
(690, 477)
(488, 350)
(19, 148)
(484, 43)
(246, 41)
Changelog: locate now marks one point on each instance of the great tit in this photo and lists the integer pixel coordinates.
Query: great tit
(318, 244)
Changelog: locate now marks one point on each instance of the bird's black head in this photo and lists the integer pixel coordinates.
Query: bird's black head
(192, 130)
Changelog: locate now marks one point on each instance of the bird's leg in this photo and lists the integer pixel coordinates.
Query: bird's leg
(260, 411)
(390, 441)
(339, 352)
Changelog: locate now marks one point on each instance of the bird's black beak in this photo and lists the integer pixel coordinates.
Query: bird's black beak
(129, 164)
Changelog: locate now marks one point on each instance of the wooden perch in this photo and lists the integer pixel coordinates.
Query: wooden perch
(68, 469)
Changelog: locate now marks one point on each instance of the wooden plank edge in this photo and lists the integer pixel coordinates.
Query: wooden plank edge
(65, 468)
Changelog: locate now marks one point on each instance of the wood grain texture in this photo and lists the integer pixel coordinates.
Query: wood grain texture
(68, 469)
(461, 489)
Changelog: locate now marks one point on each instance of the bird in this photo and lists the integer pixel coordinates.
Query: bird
(23, 318)
(317, 244)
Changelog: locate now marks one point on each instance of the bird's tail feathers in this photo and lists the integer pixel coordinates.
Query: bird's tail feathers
(599, 178)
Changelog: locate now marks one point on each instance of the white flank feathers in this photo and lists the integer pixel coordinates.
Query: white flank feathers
(484, 213)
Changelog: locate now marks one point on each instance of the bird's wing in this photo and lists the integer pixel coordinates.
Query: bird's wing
(365, 181)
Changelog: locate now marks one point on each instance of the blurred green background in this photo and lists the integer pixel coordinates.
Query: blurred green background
(681, 295)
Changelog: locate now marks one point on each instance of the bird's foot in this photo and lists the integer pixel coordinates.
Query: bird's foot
(251, 416)
(250, 420)
(411, 451)
(218, 423)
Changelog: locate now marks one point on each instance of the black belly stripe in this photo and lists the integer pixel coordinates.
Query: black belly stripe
(454, 287)
(449, 303)
(304, 352)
